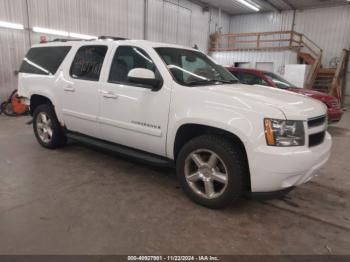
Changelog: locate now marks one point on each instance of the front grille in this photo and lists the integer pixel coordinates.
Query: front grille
(316, 139)
(317, 121)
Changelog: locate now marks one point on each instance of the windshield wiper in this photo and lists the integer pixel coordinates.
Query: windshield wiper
(233, 81)
(211, 81)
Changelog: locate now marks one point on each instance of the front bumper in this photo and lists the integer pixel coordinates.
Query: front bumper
(276, 168)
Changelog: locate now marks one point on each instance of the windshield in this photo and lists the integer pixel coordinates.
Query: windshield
(193, 68)
(279, 81)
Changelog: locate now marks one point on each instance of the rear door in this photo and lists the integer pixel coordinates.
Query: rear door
(80, 96)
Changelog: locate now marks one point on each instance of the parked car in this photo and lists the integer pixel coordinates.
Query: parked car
(172, 105)
(258, 77)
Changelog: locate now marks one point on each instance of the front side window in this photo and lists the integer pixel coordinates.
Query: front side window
(279, 81)
(88, 62)
(44, 60)
(250, 79)
(127, 58)
(193, 68)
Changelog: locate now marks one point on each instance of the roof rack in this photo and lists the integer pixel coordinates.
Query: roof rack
(65, 40)
(115, 38)
(104, 37)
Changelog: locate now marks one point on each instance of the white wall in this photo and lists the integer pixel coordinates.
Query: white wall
(328, 27)
(261, 22)
(177, 21)
(13, 44)
(174, 21)
(278, 58)
(216, 23)
(89, 16)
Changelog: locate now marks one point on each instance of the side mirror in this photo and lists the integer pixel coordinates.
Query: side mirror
(145, 77)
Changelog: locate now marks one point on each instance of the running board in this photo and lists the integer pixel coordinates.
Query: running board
(122, 150)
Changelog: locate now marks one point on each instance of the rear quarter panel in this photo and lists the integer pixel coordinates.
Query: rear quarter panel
(45, 85)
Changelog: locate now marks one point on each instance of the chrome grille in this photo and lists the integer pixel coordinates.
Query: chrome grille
(316, 121)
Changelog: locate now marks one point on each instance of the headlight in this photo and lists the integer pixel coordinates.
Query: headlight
(284, 132)
(335, 103)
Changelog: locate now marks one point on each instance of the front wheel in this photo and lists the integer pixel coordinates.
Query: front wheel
(47, 129)
(211, 170)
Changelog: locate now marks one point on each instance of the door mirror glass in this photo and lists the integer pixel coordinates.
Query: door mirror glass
(143, 76)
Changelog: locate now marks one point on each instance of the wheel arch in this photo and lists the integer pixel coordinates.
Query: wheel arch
(37, 100)
(188, 131)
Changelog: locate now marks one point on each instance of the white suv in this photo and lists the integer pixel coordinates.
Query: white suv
(169, 104)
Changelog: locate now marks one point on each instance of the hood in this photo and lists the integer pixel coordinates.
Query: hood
(293, 106)
(312, 93)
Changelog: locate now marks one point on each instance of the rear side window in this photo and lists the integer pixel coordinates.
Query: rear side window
(88, 62)
(44, 60)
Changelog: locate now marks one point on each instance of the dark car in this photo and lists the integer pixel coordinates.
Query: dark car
(258, 77)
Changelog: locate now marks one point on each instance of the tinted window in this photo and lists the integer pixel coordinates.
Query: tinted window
(44, 60)
(193, 68)
(88, 62)
(250, 79)
(279, 81)
(127, 58)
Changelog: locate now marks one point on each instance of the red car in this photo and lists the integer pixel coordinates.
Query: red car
(257, 77)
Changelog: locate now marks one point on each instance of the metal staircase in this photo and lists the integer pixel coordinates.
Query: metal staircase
(327, 80)
(307, 58)
(324, 79)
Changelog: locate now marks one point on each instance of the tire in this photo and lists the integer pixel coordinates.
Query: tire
(197, 174)
(50, 134)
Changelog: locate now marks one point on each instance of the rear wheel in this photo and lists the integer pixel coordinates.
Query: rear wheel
(210, 170)
(47, 129)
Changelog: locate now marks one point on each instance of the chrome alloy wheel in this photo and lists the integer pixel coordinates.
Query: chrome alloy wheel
(44, 127)
(206, 173)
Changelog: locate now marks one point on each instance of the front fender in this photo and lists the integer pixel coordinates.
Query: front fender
(242, 118)
(204, 122)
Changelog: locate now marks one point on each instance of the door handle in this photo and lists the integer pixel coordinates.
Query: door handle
(69, 89)
(109, 94)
